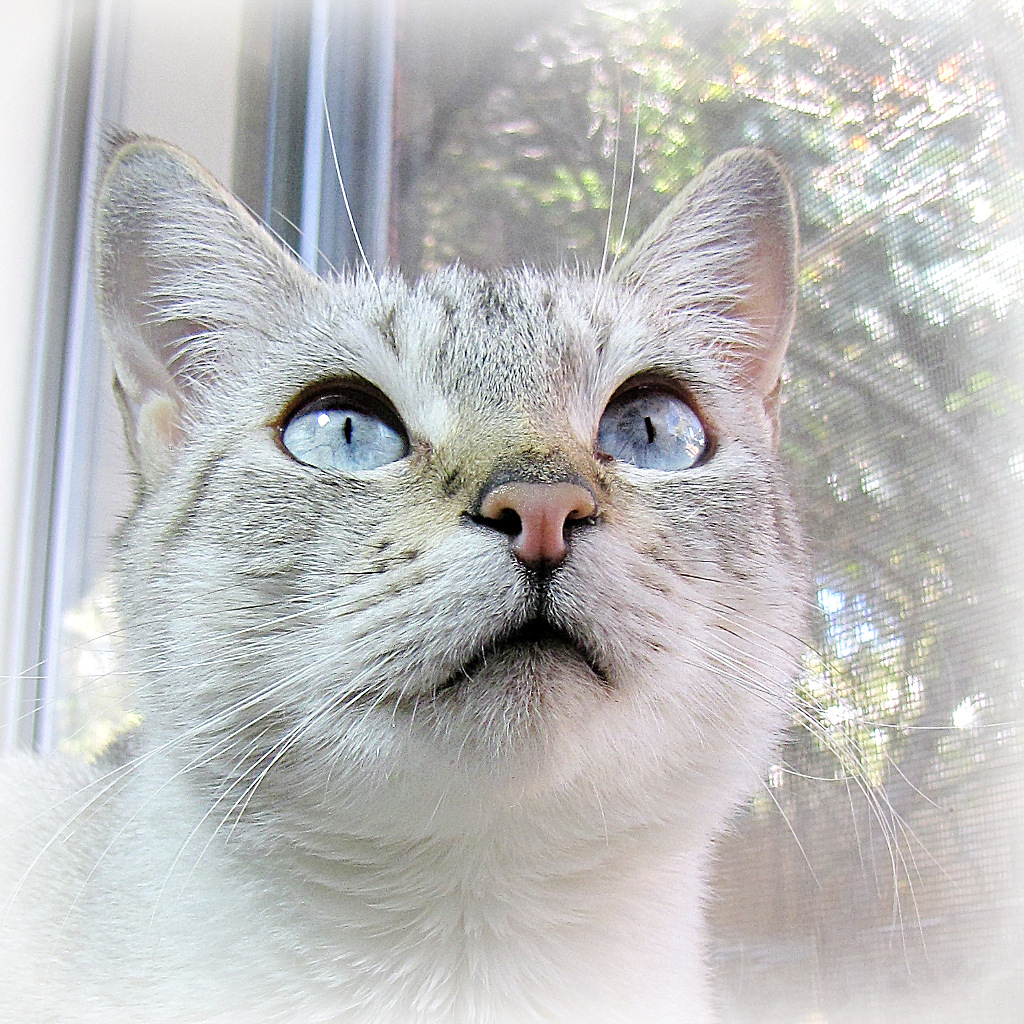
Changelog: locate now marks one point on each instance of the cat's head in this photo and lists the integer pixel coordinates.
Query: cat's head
(471, 544)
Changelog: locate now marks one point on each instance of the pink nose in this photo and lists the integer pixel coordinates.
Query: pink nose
(543, 511)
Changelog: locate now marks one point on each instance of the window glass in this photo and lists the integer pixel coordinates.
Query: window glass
(879, 874)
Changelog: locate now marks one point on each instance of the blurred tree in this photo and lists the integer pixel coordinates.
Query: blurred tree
(904, 416)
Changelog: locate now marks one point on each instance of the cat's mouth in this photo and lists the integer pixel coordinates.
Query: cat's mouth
(537, 634)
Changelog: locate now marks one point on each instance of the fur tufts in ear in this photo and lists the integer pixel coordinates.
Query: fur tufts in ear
(725, 249)
(178, 262)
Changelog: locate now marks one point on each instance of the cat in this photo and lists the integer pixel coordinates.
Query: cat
(463, 613)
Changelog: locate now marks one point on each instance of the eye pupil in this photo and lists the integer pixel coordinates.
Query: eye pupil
(650, 429)
(348, 430)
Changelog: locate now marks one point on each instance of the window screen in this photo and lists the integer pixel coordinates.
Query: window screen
(880, 874)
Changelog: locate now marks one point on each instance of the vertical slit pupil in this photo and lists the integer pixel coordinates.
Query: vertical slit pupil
(650, 429)
(348, 430)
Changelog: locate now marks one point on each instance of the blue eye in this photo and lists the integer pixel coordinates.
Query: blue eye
(337, 432)
(652, 429)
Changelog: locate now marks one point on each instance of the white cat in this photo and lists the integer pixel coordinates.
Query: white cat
(463, 614)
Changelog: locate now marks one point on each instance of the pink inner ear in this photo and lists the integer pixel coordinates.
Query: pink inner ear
(768, 306)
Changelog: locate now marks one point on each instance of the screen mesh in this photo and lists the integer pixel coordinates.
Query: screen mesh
(880, 875)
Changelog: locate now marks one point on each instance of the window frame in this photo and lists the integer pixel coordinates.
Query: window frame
(302, 65)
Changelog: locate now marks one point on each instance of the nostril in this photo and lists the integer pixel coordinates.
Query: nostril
(505, 521)
(579, 517)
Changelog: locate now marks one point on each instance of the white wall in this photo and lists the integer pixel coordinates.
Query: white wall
(181, 76)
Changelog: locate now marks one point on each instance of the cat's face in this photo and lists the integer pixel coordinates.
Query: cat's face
(333, 610)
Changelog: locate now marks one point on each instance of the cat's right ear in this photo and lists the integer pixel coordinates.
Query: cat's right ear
(178, 262)
(723, 255)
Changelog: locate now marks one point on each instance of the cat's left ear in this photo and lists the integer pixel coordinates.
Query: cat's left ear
(182, 272)
(725, 251)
